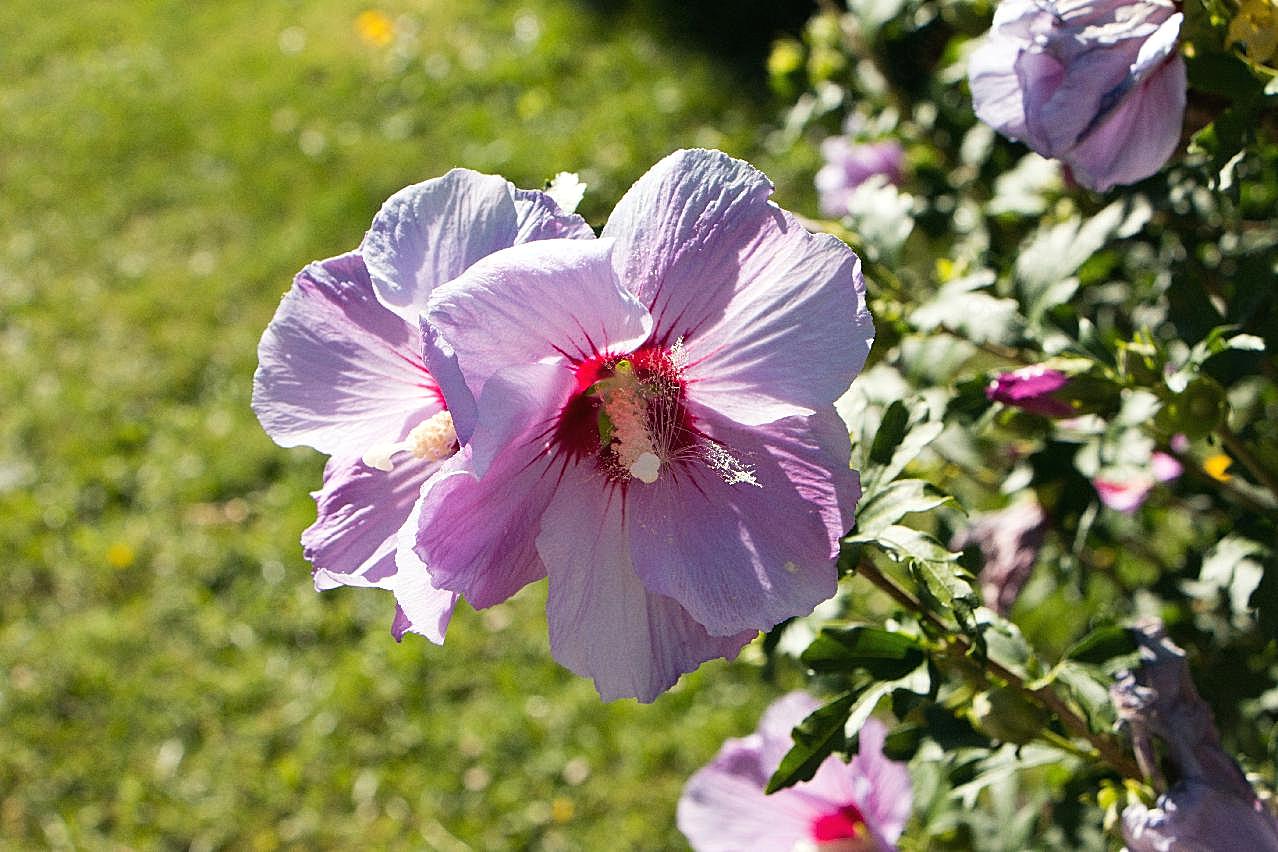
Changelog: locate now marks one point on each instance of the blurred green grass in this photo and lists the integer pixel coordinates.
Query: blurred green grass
(168, 676)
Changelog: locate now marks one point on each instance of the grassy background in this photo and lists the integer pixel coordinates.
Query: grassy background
(168, 676)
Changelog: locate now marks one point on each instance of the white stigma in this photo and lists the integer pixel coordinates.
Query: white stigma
(433, 439)
(646, 468)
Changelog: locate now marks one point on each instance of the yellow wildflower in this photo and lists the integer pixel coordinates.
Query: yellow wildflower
(375, 27)
(120, 555)
(1217, 465)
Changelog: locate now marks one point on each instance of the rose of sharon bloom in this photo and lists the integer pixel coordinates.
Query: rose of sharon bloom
(849, 164)
(341, 369)
(1097, 84)
(1211, 805)
(1032, 389)
(860, 806)
(648, 419)
(1009, 540)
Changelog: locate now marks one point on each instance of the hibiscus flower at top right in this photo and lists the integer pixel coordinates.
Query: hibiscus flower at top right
(1098, 85)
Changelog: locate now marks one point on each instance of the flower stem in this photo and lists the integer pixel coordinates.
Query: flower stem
(1107, 749)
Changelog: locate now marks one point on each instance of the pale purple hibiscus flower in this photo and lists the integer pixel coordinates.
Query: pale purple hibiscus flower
(341, 369)
(1210, 805)
(1097, 84)
(849, 164)
(648, 419)
(1034, 389)
(861, 806)
(1009, 540)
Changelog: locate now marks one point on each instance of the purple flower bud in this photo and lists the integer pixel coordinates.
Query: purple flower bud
(1210, 805)
(1032, 389)
(1098, 85)
(849, 164)
(1009, 540)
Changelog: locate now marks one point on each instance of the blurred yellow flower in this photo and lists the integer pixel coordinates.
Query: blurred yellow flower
(1217, 465)
(375, 27)
(120, 555)
(561, 810)
(1256, 27)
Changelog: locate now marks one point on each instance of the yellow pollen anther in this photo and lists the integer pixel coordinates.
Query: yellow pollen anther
(433, 439)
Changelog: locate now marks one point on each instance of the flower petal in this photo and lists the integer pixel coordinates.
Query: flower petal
(549, 299)
(479, 515)
(539, 217)
(744, 556)
(724, 809)
(1138, 137)
(793, 339)
(336, 370)
(882, 787)
(1065, 93)
(353, 542)
(756, 299)
(431, 232)
(360, 511)
(420, 607)
(991, 69)
(603, 623)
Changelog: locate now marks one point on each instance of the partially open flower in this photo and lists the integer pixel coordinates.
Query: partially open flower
(849, 164)
(1209, 804)
(1098, 85)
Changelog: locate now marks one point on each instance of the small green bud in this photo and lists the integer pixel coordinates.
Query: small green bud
(824, 31)
(1196, 411)
(786, 58)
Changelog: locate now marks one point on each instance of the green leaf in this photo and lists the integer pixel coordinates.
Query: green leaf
(1102, 645)
(941, 581)
(891, 432)
(885, 655)
(961, 306)
(814, 739)
(1049, 259)
(898, 499)
(903, 434)
(904, 544)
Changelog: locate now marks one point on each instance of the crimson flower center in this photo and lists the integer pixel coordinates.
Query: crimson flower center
(628, 413)
(846, 823)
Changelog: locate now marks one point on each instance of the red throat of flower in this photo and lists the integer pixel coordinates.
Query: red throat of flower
(844, 829)
(628, 413)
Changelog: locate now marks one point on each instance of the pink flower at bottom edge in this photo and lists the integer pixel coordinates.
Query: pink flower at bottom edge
(861, 806)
